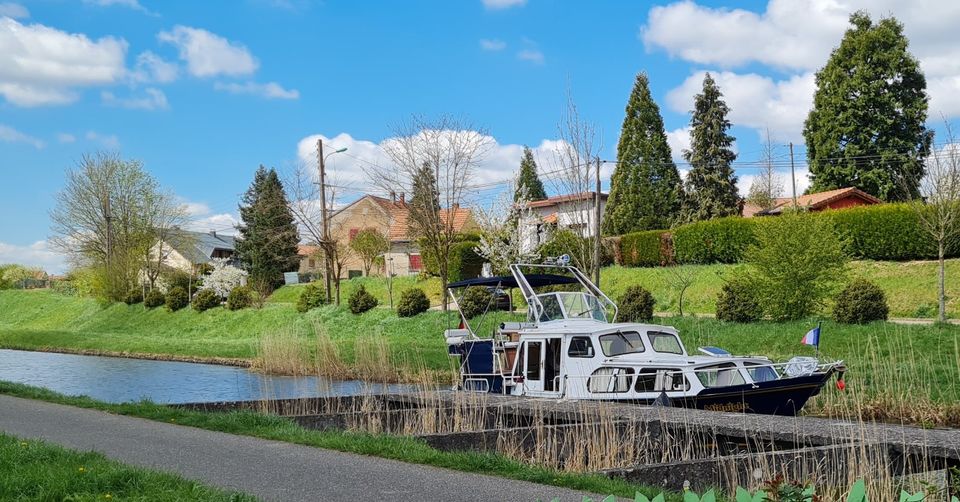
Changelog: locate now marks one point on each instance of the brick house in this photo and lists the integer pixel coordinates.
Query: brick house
(840, 198)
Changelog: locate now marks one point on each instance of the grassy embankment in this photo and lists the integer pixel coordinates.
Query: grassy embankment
(406, 449)
(35, 470)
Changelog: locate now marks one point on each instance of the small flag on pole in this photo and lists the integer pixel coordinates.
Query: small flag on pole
(812, 337)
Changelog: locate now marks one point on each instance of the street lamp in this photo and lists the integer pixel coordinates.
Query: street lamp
(328, 265)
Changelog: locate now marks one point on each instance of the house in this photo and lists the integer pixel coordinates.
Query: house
(840, 198)
(186, 250)
(576, 212)
(311, 261)
(390, 216)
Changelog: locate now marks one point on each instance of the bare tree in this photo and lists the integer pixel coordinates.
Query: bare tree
(452, 149)
(165, 216)
(939, 208)
(768, 185)
(680, 279)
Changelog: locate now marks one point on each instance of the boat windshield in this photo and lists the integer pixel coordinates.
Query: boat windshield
(570, 305)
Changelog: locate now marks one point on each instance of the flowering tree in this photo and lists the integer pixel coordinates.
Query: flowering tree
(501, 229)
(223, 278)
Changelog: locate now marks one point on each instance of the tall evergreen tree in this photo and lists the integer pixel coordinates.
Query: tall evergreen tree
(267, 245)
(867, 126)
(529, 185)
(711, 183)
(645, 188)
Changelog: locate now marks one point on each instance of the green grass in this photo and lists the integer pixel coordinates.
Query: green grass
(35, 470)
(406, 449)
(376, 286)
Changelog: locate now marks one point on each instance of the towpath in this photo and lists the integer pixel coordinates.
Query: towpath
(268, 469)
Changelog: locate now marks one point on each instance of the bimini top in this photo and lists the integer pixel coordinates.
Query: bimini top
(508, 281)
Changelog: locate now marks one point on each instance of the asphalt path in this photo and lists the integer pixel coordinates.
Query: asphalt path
(271, 470)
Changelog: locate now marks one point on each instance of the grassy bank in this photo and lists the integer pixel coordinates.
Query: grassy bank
(406, 449)
(34, 470)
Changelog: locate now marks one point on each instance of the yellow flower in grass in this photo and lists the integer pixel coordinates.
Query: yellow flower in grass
(82, 469)
(24, 444)
(108, 496)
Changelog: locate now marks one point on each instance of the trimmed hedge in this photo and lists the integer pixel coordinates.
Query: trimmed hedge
(723, 240)
(882, 232)
(643, 249)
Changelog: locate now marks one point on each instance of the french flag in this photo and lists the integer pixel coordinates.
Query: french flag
(812, 337)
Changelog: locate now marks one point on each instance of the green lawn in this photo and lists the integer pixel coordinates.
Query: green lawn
(35, 470)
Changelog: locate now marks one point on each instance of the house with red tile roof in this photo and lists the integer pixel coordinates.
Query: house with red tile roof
(576, 212)
(840, 198)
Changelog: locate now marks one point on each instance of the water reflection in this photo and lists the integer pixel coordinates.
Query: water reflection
(117, 379)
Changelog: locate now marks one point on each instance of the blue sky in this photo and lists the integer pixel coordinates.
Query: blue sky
(204, 92)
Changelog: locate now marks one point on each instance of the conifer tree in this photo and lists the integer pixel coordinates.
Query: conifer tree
(267, 244)
(645, 188)
(711, 183)
(867, 126)
(528, 184)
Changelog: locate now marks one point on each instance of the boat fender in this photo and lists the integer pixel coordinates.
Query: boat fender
(841, 384)
(663, 400)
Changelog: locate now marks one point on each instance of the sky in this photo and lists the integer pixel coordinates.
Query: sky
(204, 92)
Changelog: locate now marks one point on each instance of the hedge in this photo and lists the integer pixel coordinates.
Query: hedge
(723, 240)
(882, 232)
(643, 249)
(464, 262)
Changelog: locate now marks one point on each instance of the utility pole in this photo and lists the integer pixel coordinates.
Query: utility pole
(596, 230)
(327, 266)
(793, 177)
(108, 216)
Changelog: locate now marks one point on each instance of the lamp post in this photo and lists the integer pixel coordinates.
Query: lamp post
(327, 263)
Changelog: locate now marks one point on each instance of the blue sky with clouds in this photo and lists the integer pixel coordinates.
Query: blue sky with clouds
(204, 92)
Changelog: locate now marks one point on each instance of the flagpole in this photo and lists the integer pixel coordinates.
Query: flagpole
(819, 334)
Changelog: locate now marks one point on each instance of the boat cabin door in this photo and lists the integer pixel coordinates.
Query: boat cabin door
(541, 366)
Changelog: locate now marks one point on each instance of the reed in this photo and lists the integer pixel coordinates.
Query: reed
(283, 353)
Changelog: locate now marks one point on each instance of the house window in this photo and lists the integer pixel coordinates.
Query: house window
(416, 263)
(311, 263)
(354, 232)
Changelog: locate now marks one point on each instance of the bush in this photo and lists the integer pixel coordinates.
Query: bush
(312, 297)
(176, 299)
(635, 304)
(738, 301)
(361, 301)
(475, 301)
(176, 278)
(883, 232)
(463, 261)
(412, 302)
(134, 296)
(861, 302)
(205, 299)
(643, 249)
(724, 240)
(153, 299)
(240, 297)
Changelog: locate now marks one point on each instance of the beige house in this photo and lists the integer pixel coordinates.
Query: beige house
(576, 212)
(185, 250)
(388, 216)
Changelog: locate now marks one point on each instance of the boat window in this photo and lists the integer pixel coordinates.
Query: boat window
(533, 360)
(667, 343)
(619, 343)
(761, 372)
(646, 380)
(720, 375)
(674, 379)
(606, 380)
(580, 346)
(551, 308)
(582, 306)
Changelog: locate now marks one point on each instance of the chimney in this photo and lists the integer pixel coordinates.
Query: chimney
(403, 198)
(213, 233)
(393, 196)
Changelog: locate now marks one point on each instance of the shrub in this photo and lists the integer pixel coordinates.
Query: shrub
(176, 278)
(738, 301)
(133, 297)
(463, 261)
(361, 301)
(240, 297)
(475, 301)
(153, 299)
(176, 299)
(882, 232)
(412, 302)
(635, 304)
(861, 302)
(643, 249)
(724, 240)
(205, 299)
(312, 297)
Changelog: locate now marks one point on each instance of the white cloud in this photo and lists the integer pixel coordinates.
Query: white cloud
(108, 141)
(130, 4)
(203, 219)
(493, 44)
(270, 90)
(532, 55)
(153, 99)
(679, 140)
(503, 4)
(66, 137)
(38, 254)
(152, 68)
(802, 178)
(13, 10)
(11, 135)
(42, 66)
(208, 54)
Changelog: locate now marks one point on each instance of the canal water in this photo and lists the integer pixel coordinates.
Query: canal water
(119, 379)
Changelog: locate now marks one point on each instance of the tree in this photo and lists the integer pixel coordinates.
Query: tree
(867, 126)
(267, 244)
(369, 244)
(767, 187)
(503, 226)
(436, 160)
(223, 278)
(711, 190)
(645, 187)
(938, 209)
(527, 186)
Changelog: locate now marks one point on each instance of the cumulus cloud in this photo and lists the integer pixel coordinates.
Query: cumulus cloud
(492, 44)
(13, 10)
(108, 141)
(208, 54)
(503, 4)
(203, 219)
(679, 140)
(802, 179)
(270, 90)
(38, 254)
(11, 135)
(152, 68)
(152, 99)
(40, 65)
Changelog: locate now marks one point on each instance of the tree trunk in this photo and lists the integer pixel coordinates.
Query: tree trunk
(942, 295)
(336, 282)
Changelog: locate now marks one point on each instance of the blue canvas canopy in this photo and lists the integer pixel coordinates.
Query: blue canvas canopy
(508, 281)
